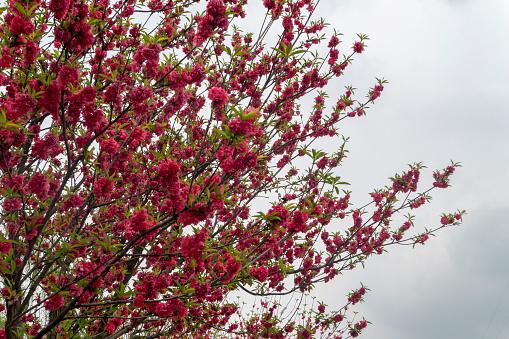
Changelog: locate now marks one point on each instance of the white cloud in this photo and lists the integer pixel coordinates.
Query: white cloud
(447, 66)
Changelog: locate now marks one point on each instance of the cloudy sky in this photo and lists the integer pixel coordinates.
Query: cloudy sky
(447, 64)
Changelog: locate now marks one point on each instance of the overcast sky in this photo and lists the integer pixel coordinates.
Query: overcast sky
(447, 64)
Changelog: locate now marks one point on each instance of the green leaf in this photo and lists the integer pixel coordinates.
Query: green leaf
(226, 49)
(20, 8)
(252, 114)
(31, 10)
(5, 270)
(105, 76)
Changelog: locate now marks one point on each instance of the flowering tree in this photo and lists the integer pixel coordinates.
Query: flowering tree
(139, 145)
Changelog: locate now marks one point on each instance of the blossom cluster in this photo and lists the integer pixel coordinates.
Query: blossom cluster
(148, 169)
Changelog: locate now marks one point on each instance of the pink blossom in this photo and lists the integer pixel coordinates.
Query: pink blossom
(59, 7)
(238, 126)
(168, 173)
(88, 94)
(109, 146)
(54, 303)
(68, 76)
(192, 217)
(6, 61)
(193, 245)
(94, 118)
(140, 94)
(280, 212)
(139, 220)
(334, 41)
(103, 188)
(260, 273)
(406, 226)
(305, 334)
(31, 52)
(110, 94)
(287, 23)
(21, 26)
(358, 47)
(298, 223)
(139, 302)
(72, 202)
(42, 148)
(218, 96)
(11, 204)
(5, 247)
(39, 185)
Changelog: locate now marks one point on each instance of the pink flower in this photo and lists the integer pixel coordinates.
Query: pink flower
(334, 41)
(198, 73)
(6, 61)
(238, 126)
(280, 212)
(103, 188)
(140, 93)
(43, 147)
(87, 94)
(298, 223)
(72, 202)
(54, 303)
(31, 52)
(261, 273)
(215, 18)
(94, 119)
(110, 94)
(421, 238)
(192, 217)
(67, 76)
(19, 26)
(338, 318)
(358, 47)
(110, 328)
(11, 204)
(39, 185)
(406, 226)
(5, 247)
(397, 237)
(139, 220)
(193, 245)
(287, 23)
(59, 7)
(218, 96)
(109, 146)
(139, 302)
(168, 173)
(305, 334)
